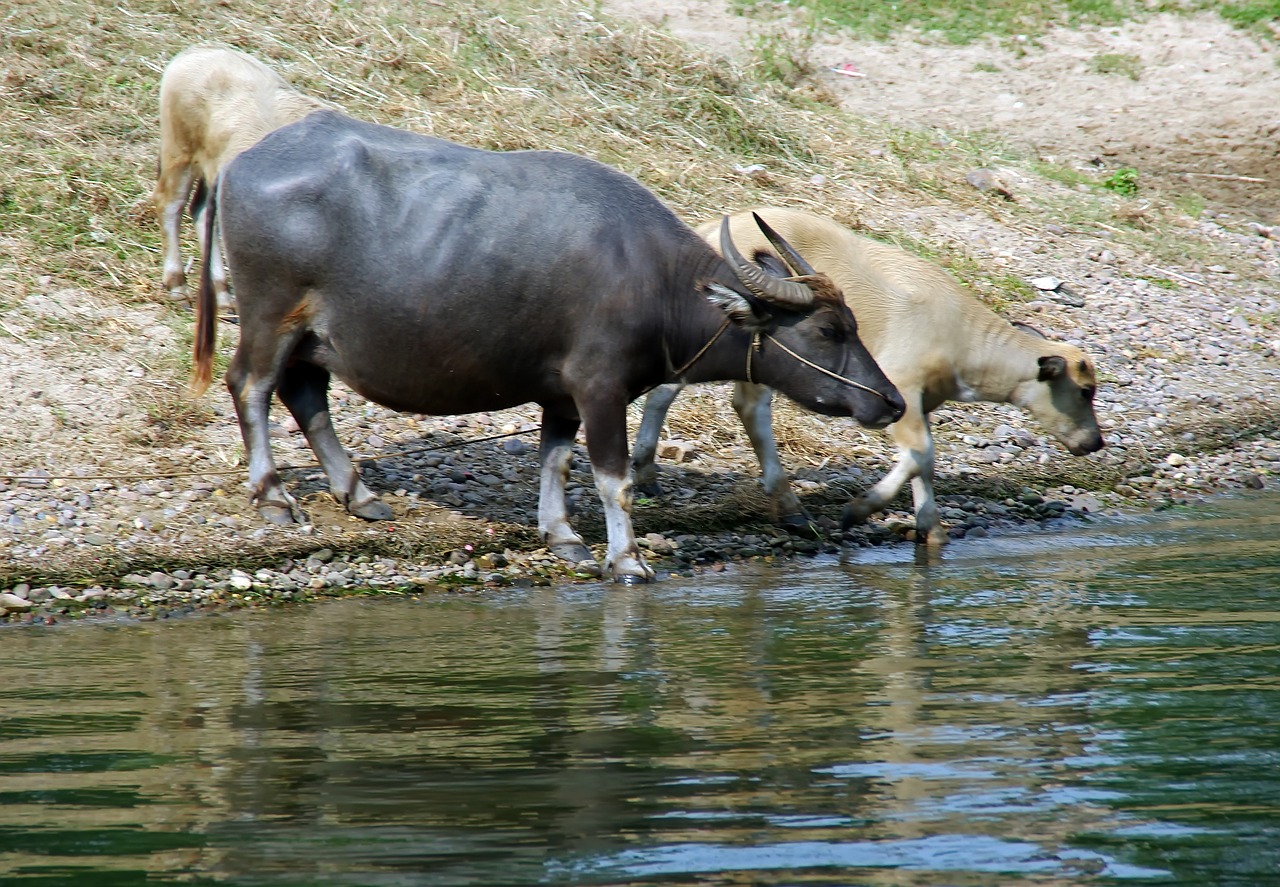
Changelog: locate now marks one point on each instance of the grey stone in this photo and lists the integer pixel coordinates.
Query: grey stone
(10, 602)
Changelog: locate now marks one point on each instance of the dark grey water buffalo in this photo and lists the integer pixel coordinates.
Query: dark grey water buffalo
(435, 278)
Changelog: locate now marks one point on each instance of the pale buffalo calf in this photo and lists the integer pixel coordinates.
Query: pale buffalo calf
(932, 338)
(214, 103)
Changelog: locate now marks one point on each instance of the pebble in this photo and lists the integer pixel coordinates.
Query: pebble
(10, 602)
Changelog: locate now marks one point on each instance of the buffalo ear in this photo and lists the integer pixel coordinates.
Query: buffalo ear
(742, 310)
(771, 263)
(1051, 367)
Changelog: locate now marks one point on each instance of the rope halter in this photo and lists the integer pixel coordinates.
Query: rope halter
(756, 345)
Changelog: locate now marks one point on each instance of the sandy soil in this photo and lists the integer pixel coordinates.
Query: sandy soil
(1202, 115)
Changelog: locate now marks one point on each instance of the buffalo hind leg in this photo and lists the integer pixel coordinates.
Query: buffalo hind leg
(555, 453)
(304, 389)
(605, 418)
(644, 466)
(217, 268)
(252, 398)
(170, 197)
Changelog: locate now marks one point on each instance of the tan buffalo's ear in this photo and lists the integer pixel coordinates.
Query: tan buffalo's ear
(766, 287)
(736, 305)
(1051, 367)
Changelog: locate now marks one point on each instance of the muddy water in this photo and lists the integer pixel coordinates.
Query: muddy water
(1096, 706)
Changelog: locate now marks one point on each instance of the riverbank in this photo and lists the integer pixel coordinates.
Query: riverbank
(119, 494)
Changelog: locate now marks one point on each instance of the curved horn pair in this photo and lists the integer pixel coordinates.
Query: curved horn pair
(787, 293)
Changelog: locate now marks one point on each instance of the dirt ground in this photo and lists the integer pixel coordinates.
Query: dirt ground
(91, 381)
(1202, 115)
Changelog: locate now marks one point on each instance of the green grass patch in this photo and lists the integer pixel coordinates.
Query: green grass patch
(1124, 181)
(1066, 175)
(959, 21)
(1120, 63)
(966, 21)
(1259, 16)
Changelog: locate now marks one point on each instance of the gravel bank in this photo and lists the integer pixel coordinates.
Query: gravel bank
(1188, 371)
(1188, 368)
(120, 496)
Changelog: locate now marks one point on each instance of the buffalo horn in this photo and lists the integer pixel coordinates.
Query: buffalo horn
(799, 266)
(787, 293)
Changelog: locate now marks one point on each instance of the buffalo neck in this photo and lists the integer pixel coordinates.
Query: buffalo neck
(696, 338)
(1008, 359)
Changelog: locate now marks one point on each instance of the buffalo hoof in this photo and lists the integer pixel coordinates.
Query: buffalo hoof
(573, 552)
(935, 538)
(650, 490)
(854, 514)
(800, 525)
(630, 569)
(372, 508)
(281, 513)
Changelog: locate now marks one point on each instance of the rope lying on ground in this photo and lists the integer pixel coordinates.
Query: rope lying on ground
(18, 478)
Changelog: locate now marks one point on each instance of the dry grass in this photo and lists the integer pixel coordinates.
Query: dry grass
(79, 82)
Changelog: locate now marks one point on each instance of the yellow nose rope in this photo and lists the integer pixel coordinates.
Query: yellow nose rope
(755, 346)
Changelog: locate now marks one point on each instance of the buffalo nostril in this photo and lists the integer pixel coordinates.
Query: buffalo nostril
(898, 405)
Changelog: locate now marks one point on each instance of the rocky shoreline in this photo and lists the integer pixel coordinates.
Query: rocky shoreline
(123, 497)
(162, 525)
(337, 556)
(325, 572)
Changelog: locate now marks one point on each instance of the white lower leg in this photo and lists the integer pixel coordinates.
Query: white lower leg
(623, 556)
(170, 217)
(553, 512)
(218, 274)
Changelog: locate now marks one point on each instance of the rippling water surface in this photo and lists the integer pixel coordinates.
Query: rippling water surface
(1092, 707)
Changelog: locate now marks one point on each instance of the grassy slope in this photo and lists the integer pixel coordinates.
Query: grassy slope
(80, 77)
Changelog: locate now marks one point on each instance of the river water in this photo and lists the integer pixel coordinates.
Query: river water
(1094, 706)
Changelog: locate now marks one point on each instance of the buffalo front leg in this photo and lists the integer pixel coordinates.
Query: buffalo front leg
(929, 528)
(252, 398)
(915, 464)
(753, 404)
(304, 389)
(555, 453)
(643, 456)
(606, 425)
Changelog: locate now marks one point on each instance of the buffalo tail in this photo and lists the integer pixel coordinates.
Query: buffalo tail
(206, 335)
